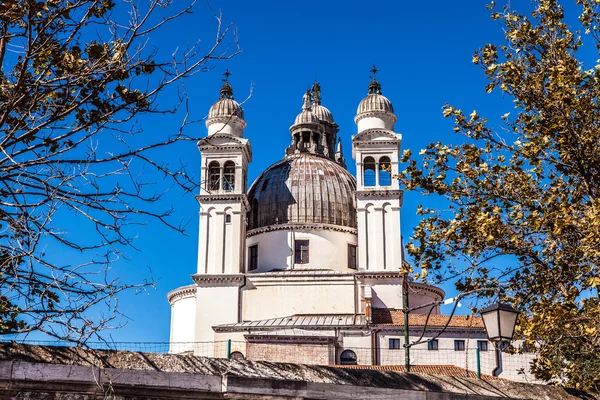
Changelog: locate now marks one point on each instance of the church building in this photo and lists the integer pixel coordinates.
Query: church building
(304, 265)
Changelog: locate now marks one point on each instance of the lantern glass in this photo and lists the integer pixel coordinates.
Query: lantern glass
(499, 320)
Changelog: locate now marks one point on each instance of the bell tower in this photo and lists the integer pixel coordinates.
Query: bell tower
(224, 178)
(225, 157)
(376, 150)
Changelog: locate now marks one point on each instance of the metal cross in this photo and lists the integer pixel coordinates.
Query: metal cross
(227, 74)
(374, 71)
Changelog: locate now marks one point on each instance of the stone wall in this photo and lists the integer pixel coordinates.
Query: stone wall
(40, 373)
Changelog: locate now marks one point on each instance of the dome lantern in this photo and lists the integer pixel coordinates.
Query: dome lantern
(307, 131)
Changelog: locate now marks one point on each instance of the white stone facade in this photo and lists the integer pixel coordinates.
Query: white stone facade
(301, 266)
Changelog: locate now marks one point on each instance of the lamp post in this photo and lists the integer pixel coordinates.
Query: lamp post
(499, 320)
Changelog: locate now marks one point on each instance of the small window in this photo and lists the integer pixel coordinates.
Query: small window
(252, 257)
(352, 262)
(432, 344)
(459, 345)
(301, 252)
(482, 345)
(228, 218)
(394, 344)
(348, 357)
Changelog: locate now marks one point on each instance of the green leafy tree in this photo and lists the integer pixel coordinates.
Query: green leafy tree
(523, 207)
(75, 77)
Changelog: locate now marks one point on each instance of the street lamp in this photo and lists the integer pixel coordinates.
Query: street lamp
(499, 320)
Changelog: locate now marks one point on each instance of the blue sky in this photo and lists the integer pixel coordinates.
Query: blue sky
(423, 50)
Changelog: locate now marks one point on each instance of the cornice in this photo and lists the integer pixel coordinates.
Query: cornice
(375, 113)
(252, 338)
(182, 292)
(379, 193)
(218, 197)
(219, 279)
(289, 227)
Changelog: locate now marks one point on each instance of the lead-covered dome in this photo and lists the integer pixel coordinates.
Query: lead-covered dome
(306, 117)
(375, 101)
(303, 189)
(226, 106)
(322, 113)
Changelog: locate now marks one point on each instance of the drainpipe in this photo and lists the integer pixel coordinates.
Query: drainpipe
(374, 347)
(496, 370)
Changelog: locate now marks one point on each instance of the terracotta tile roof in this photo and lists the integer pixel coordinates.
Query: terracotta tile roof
(391, 317)
(444, 370)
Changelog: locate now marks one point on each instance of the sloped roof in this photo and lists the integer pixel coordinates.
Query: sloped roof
(392, 317)
(298, 321)
(444, 370)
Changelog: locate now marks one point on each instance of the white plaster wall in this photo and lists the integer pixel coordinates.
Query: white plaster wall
(511, 364)
(220, 244)
(358, 343)
(381, 247)
(264, 299)
(183, 321)
(215, 305)
(233, 126)
(380, 122)
(327, 249)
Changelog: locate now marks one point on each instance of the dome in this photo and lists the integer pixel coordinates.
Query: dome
(306, 117)
(322, 113)
(226, 106)
(303, 189)
(375, 101)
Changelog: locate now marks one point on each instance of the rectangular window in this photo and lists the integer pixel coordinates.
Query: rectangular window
(394, 344)
(482, 345)
(432, 344)
(352, 262)
(301, 252)
(459, 345)
(252, 257)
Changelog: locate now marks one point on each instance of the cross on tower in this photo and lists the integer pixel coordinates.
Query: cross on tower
(374, 71)
(227, 74)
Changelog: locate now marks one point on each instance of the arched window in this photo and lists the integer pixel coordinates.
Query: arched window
(369, 171)
(236, 355)
(214, 174)
(348, 357)
(385, 171)
(229, 176)
(228, 218)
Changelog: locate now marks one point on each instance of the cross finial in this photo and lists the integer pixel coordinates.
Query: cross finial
(374, 71)
(226, 74)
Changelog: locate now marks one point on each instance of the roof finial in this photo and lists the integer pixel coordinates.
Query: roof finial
(226, 89)
(374, 86)
(316, 93)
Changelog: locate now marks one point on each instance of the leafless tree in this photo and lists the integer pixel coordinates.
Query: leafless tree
(74, 81)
